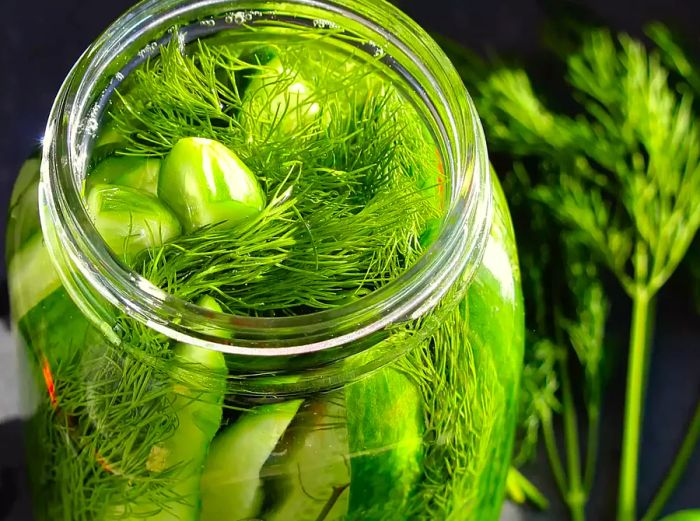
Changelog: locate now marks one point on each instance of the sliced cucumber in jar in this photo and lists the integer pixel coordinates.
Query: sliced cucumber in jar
(23, 217)
(28, 175)
(206, 183)
(129, 220)
(32, 276)
(199, 386)
(385, 428)
(313, 471)
(140, 173)
(231, 485)
(199, 413)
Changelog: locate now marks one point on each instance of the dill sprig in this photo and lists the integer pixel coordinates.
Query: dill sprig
(620, 179)
(279, 263)
(105, 408)
(348, 193)
(462, 400)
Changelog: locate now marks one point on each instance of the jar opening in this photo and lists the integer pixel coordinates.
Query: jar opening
(426, 76)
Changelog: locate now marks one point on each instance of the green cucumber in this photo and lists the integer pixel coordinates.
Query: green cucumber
(28, 175)
(204, 182)
(23, 217)
(256, 57)
(198, 395)
(129, 220)
(109, 136)
(108, 143)
(280, 97)
(385, 427)
(315, 473)
(32, 276)
(494, 309)
(231, 484)
(135, 172)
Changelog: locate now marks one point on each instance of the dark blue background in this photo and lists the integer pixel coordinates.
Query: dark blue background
(41, 39)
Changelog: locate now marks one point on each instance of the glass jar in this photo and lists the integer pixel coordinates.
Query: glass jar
(400, 405)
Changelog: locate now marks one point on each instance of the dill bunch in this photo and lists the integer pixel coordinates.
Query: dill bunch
(613, 189)
(462, 403)
(102, 410)
(350, 192)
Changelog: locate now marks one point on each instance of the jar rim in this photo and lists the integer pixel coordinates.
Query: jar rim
(453, 255)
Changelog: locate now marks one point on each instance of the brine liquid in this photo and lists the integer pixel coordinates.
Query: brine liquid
(143, 429)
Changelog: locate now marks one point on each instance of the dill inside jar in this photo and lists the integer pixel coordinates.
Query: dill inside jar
(352, 272)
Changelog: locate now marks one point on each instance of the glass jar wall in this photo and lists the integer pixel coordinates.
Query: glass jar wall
(397, 403)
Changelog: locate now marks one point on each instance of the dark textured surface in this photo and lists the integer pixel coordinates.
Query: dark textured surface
(43, 38)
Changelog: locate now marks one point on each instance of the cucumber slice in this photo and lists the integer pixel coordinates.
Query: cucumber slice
(205, 183)
(315, 472)
(385, 426)
(109, 136)
(130, 220)
(198, 394)
(28, 175)
(23, 218)
(280, 97)
(108, 142)
(231, 484)
(199, 415)
(135, 172)
(32, 276)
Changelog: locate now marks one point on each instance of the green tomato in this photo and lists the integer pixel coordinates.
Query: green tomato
(206, 183)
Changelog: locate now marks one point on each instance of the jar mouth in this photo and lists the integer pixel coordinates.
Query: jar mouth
(451, 259)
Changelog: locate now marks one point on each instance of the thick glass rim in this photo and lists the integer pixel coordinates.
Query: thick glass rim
(451, 258)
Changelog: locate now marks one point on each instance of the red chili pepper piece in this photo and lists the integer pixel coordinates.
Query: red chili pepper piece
(48, 379)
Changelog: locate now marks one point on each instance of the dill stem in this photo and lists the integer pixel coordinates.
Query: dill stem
(636, 383)
(592, 444)
(550, 445)
(677, 469)
(575, 496)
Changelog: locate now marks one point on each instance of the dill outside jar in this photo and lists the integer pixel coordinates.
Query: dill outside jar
(263, 271)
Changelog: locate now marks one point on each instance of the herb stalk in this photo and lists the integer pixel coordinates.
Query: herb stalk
(636, 383)
(555, 462)
(592, 444)
(575, 496)
(677, 468)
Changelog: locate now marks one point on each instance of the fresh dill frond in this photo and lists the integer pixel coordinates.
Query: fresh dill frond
(618, 183)
(616, 180)
(105, 408)
(462, 403)
(351, 191)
